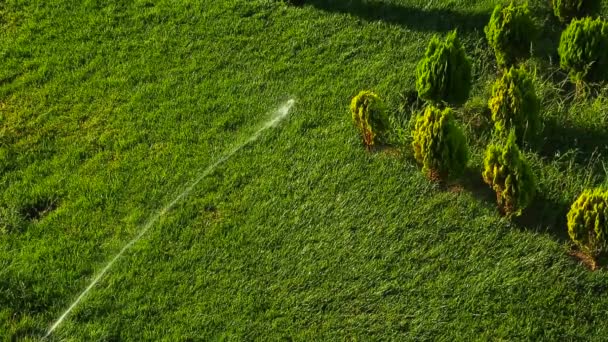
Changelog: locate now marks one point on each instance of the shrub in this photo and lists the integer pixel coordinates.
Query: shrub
(509, 175)
(567, 10)
(583, 50)
(514, 104)
(444, 74)
(510, 32)
(588, 221)
(369, 115)
(439, 145)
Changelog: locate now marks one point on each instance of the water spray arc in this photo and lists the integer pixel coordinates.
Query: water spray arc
(277, 117)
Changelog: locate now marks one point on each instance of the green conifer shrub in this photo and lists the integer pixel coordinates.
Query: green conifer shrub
(369, 115)
(588, 222)
(515, 105)
(510, 32)
(510, 176)
(444, 74)
(583, 50)
(567, 10)
(439, 144)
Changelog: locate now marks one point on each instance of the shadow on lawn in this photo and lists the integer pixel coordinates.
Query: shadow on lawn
(441, 20)
(473, 183)
(587, 142)
(543, 216)
(548, 34)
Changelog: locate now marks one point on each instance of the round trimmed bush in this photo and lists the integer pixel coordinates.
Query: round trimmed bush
(588, 221)
(439, 144)
(510, 33)
(567, 10)
(510, 176)
(515, 105)
(369, 115)
(444, 74)
(583, 50)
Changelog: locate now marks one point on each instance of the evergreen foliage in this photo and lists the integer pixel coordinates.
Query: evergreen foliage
(515, 105)
(510, 176)
(567, 10)
(439, 144)
(510, 33)
(369, 115)
(444, 74)
(583, 50)
(587, 221)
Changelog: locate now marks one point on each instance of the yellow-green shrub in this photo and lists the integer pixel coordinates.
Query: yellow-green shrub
(444, 74)
(515, 105)
(510, 176)
(588, 221)
(510, 32)
(369, 115)
(583, 50)
(439, 144)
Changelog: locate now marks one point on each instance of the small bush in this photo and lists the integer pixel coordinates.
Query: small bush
(588, 221)
(567, 10)
(369, 114)
(515, 105)
(583, 50)
(444, 74)
(439, 145)
(509, 175)
(510, 33)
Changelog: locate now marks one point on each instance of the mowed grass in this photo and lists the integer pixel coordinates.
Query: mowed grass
(109, 109)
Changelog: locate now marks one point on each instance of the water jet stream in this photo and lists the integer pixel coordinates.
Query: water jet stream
(277, 116)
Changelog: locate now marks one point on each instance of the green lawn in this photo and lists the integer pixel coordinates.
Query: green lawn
(108, 109)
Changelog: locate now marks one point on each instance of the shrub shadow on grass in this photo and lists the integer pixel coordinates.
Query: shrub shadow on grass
(416, 19)
(409, 103)
(474, 184)
(39, 208)
(544, 215)
(393, 150)
(549, 34)
(586, 142)
(477, 120)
